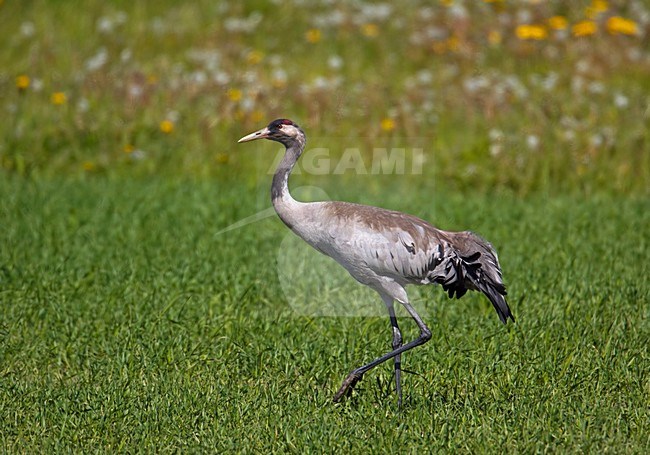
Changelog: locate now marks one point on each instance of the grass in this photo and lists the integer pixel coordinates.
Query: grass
(129, 325)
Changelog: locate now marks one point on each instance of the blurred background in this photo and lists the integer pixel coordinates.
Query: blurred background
(521, 96)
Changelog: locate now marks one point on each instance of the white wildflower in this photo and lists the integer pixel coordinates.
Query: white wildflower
(532, 142)
(335, 62)
(621, 101)
(27, 29)
(98, 60)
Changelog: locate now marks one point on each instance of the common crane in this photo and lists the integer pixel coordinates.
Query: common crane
(384, 249)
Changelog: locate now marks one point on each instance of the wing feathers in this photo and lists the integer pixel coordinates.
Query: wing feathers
(473, 265)
(409, 250)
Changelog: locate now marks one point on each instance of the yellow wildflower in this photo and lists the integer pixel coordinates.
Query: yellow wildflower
(254, 57)
(152, 79)
(618, 24)
(22, 82)
(370, 30)
(167, 126)
(313, 35)
(58, 98)
(584, 28)
(221, 158)
(531, 32)
(128, 148)
(234, 94)
(447, 3)
(88, 166)
(453, 43)
(494, 37)
(387, 124)
(558, 23)
(597, 7)
(600, 5)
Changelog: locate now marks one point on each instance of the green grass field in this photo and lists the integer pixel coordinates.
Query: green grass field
(128, 325)
(133, 320)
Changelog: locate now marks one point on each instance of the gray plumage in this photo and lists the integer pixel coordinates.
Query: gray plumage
(384, 249)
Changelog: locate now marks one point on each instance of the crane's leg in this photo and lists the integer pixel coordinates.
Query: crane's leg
(356, 375)
(397, 343)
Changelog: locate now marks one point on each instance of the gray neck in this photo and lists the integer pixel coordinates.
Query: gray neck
(280, 186)
(283, 202)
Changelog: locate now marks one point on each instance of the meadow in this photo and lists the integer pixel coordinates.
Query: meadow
(128, 325)
(134, 318)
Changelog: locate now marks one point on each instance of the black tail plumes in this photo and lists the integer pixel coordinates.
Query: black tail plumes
(494, 291)
(477, 268)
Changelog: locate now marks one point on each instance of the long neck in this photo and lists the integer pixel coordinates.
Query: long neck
(285, 205)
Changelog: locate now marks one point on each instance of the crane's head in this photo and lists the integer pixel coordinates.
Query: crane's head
(281, 130)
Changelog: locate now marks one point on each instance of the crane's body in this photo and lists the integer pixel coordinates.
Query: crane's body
(384, 249)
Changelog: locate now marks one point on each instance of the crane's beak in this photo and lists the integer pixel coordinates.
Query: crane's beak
(261, 134)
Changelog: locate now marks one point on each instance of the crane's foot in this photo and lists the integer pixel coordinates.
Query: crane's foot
(347, 386)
